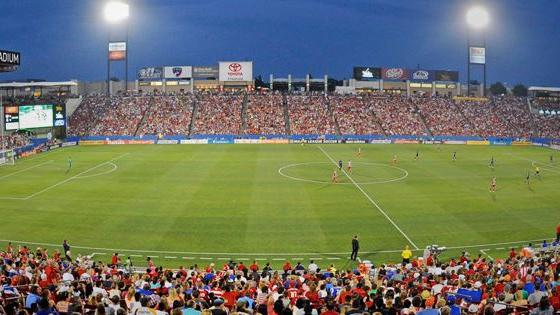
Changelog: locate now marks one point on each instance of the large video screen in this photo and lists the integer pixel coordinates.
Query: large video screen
(35, 116)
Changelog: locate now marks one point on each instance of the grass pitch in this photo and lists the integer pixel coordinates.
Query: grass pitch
(199, 203)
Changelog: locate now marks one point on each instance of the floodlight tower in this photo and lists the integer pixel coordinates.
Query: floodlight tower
(477, 19)
(115, 12)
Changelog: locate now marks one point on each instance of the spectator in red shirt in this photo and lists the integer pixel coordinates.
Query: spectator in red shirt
(254, 266)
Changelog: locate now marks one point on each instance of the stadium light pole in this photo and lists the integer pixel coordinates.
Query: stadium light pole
(477, 19)
(115, 12)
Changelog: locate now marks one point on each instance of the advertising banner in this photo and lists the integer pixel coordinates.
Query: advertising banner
(59, 116)
(367, 73)
(395, 74)
(477, 55)
(11, 118)
(523, 143)
(236, 71)
(92, 142)
(476, 142)
(177, 72)
(421, 75)
(404, 141)
(150, 73)
(443, 75)
(205, 73)
(194, 141)
(9, 58)
(381, 141)
(117, 51)
(454, 142)
(164, 141)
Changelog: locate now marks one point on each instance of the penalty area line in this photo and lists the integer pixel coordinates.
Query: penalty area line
(370, 200)
(74, 177)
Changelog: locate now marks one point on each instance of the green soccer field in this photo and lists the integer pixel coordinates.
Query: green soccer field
(207, 203)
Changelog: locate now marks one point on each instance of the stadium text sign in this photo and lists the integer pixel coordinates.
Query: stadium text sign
(117, 51)
(395, 74)
(236, 71)
(177, 72)
(422, 75)
(477, 55)
(150, 73)
(367, 73)
(10, 58)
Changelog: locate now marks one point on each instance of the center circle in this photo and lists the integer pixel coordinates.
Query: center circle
(363, 173)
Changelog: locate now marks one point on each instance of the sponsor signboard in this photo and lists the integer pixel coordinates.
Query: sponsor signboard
(194, 141)
(92, 142)
(477, 55)
(404, 141)
(9, 58)
(422, 75)
(380, 141)
(444, 75)
(395, 74)
(117, 51)
(521, 143)
(69, 143)
(477, 142)
(177, 72)
(454, 142)
(367, 73)
(150, 73)
(555, 147)
(165, 141)
(59, 116)
(205, 73)
(236, 71)
(11, 117)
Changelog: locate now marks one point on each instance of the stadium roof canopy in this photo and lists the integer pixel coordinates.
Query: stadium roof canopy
(37, 84)
(544, 89)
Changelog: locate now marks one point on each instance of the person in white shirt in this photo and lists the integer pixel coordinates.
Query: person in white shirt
(312, 266)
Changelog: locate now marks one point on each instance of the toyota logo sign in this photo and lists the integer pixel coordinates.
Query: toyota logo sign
(234, 67)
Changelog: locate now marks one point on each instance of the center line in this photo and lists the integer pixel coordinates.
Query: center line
(371, 200)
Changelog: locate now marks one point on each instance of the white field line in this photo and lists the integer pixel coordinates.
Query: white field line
(26, 169)
(482, 251)
(371, 200)
(114, 168)
(542, 165)
(296, 256)
(74, 177)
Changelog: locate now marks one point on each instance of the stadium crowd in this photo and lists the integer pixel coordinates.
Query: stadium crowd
(43, 282)
(218, 114)
(13, 141)
(167, 116)
(376, 114)
(309, 114)
(265, 114)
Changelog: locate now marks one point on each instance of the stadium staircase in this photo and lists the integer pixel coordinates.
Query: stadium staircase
(193, 114)
(534, 128)
(144, 115)
(244, 106)
(377, 120)
(423, 120)
(333, 116)
(72, 104)
(286, 114)
(469, 123)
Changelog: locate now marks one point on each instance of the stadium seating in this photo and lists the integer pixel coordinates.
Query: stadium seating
(40, 281)
(268, 113)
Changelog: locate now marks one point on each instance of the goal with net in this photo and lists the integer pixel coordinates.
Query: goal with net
(7, 157)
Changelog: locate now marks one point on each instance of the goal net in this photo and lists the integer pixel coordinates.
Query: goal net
(7, 157)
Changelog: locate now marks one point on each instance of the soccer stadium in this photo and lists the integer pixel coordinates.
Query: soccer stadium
(217, 182)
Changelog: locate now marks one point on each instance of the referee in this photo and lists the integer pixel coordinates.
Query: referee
(355, 247)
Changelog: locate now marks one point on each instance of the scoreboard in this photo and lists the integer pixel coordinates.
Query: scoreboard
(34, 116)
(11, 117)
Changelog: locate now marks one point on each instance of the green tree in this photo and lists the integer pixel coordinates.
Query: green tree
(498, 88)
(519, 90)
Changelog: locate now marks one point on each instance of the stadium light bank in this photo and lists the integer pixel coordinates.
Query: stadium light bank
(114, 13)
(477, 18)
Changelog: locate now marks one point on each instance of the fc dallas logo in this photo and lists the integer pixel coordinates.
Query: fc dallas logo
(234, 67)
